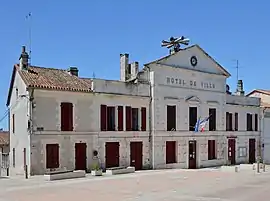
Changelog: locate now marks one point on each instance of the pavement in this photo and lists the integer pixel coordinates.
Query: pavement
(181, 185)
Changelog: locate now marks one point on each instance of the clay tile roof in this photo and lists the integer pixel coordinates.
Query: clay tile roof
(50, 78)
(4, 137)
(262, 91)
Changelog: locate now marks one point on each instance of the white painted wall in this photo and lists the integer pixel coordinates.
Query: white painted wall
(20, 138)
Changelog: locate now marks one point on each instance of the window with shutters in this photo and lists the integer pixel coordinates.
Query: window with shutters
(66, 116)
(192, 118)
(236, 121)
(143, 119)
(13, 157)
(212, 119)
(135, 119)
(13, 123)
(128, 118)
(211, 149)
(103, 117)
(110, 118)
(229, 122)
(171, 118)
(249, 122)
(52, 156)
(120, 118)
(256, 122)
(171, 152)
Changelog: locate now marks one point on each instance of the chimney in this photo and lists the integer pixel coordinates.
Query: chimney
(124, 67)
(24, 59)
(134, 69)
(73, 71)
(239, 90)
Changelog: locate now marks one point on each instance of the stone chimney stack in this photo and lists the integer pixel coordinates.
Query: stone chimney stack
(240, 88)
(134, 69)
(73, 71)
(125, 70)
(24, 59)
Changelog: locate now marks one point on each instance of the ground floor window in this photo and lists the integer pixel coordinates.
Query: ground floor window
(52, 156)
(211, 149)
(170, 152)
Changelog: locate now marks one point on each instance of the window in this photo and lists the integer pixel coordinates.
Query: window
(249, 122)
(171, 117)
(13, 157)
(236, 121)
(192, 118)
(256, 122)
(110, 118)
(52, 156)
(211, 149)
(212, 119)
(128, 118)
(229, 121)
(17, 93)
(103, 117)
(13, 123)
(120, 118)
(66, 116)
(135, 119)
(143, 119)
(170, 152)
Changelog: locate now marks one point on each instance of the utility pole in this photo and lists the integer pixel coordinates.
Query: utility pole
(237, 69)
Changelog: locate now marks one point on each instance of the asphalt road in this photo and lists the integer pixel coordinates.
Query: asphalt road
(180, 185)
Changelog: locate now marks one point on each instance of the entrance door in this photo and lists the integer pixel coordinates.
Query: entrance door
(80, 156)
(192, 154)
(112, 154)
(252, 151)
(136, 155)
(231, 151)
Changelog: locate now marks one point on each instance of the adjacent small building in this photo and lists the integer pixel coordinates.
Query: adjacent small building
(264, 95)
(4, 142)
(147, 119)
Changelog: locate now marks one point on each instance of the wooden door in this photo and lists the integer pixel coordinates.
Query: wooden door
(136, 155)
(231, 151)
(192, 154)
(80, 156)
(112, 154)
(252, 151)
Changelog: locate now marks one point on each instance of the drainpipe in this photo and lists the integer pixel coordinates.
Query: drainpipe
(150, 136)
(31, 129)
(262, 135)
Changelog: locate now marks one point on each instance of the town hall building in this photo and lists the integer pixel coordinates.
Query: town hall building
(147, 119)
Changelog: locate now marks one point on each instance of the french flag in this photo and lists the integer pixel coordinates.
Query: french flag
(200, 125)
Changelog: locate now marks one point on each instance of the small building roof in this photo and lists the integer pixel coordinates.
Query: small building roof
(262, 91)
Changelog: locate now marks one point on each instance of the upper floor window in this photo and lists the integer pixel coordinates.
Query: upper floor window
(192, 118)
(107, 118)
(171, 117)
(17, 93)
(256, 122)
(229, 126)
(66, 116)
(212, 119)
(13, 123)
(249, 122)
(236, 121)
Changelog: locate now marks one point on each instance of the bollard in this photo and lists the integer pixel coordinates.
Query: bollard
(258, 165)
(264, 167)
(236, 169)
(26, 172)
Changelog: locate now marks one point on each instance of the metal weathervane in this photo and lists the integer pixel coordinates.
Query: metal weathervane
(174, 43)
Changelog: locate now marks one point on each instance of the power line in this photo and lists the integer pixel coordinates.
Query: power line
(29, 18)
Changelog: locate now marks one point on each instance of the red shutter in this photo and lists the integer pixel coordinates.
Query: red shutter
(103, 117)
(66, 116)
(143, 119)
(128, 118)
(52, 156)
(13, 123)
(120, 118)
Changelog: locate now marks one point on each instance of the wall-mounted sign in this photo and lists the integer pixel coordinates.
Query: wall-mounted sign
(190, 83)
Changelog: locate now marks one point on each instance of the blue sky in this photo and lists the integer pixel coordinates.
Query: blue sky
(92, 34)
